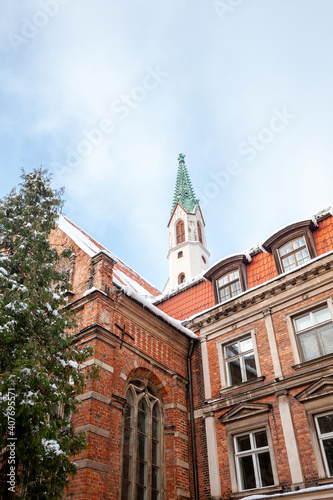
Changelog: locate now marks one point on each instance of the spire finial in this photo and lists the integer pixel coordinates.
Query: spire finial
(184, 193)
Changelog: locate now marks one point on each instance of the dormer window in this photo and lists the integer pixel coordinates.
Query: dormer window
(229, 277)
(180, 232)
(199, 232)
(229, 286)
(292, 246)
(293, 254)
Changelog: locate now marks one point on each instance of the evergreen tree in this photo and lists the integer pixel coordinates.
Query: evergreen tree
(40, 375)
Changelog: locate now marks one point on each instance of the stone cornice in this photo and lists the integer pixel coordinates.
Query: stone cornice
(273, 290)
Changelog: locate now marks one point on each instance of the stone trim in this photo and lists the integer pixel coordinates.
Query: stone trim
(272, 343)
(95, 395)
(94, 429)
(180, 435)
(182, 463)
(183, 493)
(180, 407)
(95, 361)
(213, 462)
(91, 464)
(205, 368)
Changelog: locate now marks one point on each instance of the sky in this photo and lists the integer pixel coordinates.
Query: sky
(106, 94)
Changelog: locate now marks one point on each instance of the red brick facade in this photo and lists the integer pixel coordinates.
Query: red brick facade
(280, 395)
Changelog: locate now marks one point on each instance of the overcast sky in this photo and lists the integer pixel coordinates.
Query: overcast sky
(106, 94)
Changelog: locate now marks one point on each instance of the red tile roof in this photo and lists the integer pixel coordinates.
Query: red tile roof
(189, 301)
(323, 236)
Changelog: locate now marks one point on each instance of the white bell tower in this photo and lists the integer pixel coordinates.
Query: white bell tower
(188, 255)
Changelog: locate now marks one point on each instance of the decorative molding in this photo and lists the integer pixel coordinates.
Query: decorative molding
(320, 388)
(244, 410)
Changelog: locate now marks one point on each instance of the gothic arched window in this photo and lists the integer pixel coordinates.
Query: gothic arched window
(180, 232)
(199, 232)
(142, 446)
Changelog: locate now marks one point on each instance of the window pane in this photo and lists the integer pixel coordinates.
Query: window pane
(141, 473)
(243, 443)
(126, 467)
(265, 468)
(250, 366)
(303, 322)
(232, 350)
(248, 479)
(328, 447)
(155, 472)
(140, 493)
(155, 453)
(325, 423)
(156, 429)
(235, 372)
(245, 345)
(125, 491)
(142, 446)
(308, 345)
(260, 439)
(325, 334)
(127, 441)
(321, 315)
(142, 417)
(224, 294)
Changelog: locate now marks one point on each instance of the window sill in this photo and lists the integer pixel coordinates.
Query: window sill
(311, 362)
(258, 491)
(325, 480)
(230, 388)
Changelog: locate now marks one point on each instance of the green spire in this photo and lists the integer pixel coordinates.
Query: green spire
(184, 193)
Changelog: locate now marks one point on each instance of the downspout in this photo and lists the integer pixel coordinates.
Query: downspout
(194, 447)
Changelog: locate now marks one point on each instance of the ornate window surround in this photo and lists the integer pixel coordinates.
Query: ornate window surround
(246, 417)
(226, 266)
(290, 233)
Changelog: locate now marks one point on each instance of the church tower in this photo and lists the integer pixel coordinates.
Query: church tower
(188, 255)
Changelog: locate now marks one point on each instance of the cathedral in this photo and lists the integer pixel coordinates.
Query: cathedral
(221, 385)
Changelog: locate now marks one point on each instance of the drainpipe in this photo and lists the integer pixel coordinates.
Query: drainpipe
(194, 447)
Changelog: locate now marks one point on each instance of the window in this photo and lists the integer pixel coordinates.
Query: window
(141, 474)
(180, 255)
(180, 232)
(293, 254)
(314, 331)
(292, 246)
(203, 259)
(229, 286)
(240, 361)
(324, 426)
(181, 278)
(199, 232)
(253, 461)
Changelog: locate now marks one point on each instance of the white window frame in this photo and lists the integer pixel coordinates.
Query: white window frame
(292, 253)
(228, 284)
(253, 452)
(222, 344)
(291, 327)
(321, 438)
(244, 426)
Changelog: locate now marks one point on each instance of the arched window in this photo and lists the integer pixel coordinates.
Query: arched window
(180, 255)
(180, 232)
(142, 446)
(199, 232)
(181, 278)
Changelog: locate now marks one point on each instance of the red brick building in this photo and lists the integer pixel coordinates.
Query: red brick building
(221, 387)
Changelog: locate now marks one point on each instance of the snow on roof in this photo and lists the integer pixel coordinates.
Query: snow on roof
(322, 214)
(179, 288)
(250, 290)
(122, 272)
(157, 312)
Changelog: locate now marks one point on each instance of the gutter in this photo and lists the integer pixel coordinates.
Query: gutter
(193, 441)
